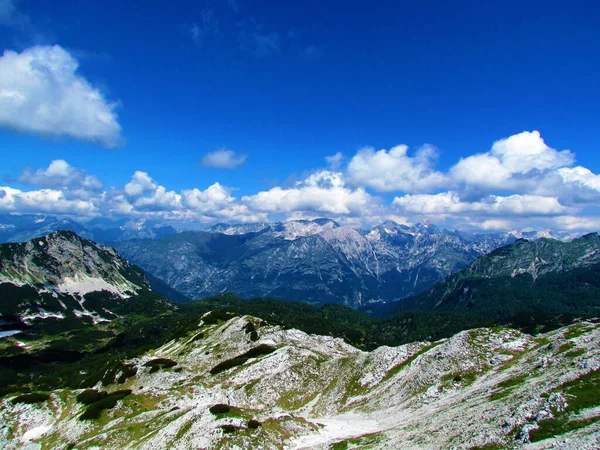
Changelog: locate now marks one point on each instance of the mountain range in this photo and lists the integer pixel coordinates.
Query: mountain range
(127, 369)
(316, 261)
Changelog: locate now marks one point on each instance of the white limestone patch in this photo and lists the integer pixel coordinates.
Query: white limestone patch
(81, 284)
(334, 429)
(35, 433)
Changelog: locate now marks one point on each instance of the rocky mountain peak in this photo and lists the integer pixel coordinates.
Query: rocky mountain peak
(61, 274)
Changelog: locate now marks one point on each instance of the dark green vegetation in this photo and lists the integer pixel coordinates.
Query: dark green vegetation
(90, 396)
(34, 397)
(255, 352)
(219, 408)
(81, 358)
(253, 423)
(108, 401)
(565, 280)
(160, 363)
(581, 393)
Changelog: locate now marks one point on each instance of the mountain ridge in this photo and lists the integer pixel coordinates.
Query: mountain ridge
(241, 382)
(64, 278)
(544, 274)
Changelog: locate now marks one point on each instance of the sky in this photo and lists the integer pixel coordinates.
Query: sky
(475, 115)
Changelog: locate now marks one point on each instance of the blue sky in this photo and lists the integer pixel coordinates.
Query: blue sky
(224, 111)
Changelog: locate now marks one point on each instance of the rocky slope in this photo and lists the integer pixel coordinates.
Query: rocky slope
(317, 261)
(64, 278)
(483, 388)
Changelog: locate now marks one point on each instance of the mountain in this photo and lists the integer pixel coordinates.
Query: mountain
(542, 275)
(20, 228)
(242, 228)
(107, 231)
(317, 261)
(64, 281)
(242, 382)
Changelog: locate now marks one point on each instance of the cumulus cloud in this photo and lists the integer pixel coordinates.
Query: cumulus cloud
(520, 182)
(580, 176)
(450, 203)
(41, 92)
(335, 161)
(49, 201)
(322, 192)
(511, 163)
(395, 170)
(223, 159)
(140, 183)
(60, 174)
(213, 198)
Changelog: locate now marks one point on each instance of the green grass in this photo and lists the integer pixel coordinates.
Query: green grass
(575, 331)
(94, 410)
(398, 368)
(581, 393)
(566, 347)
(259, 350)
(366, 441)
(506, 387)
(555, 427)
(575, 353)
(462, 378)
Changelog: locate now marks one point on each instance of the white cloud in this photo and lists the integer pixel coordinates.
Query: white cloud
(48, 201)
(512, 163)
(575, 223)
(213, 198)
(140, 184)
(323, 192)
(394, 170)
(450, 203)
(335, 161)
(41, 92)
(495, 190)
(60, 174)
(580, 176)
(223, 159)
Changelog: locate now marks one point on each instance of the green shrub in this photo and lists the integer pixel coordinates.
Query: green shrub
(253, 423)
(259, 350)
(216, 316)
(90, 396)
(94, 410)
(129, 371)
(219, 408)
(34, 397)
(159, 363)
